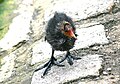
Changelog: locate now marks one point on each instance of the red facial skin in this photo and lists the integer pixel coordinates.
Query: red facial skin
(68, 31)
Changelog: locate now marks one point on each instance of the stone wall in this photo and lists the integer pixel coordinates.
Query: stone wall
(21, 47)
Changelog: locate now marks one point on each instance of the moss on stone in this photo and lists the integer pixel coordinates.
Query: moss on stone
(6, 9)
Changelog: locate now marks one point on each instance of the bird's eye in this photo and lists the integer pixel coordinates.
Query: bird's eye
(66, 28)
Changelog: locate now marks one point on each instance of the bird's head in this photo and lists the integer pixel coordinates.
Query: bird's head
(67, 30)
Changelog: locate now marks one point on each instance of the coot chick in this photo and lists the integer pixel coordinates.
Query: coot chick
(60, 34)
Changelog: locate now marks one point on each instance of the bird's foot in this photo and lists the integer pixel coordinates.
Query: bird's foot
(69, 58)
(49, 64)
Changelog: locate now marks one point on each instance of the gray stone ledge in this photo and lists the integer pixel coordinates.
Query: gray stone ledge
(87, 66)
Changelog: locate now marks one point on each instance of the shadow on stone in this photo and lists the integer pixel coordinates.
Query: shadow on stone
(88, 66)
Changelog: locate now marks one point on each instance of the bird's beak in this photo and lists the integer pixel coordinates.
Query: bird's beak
(70, 34)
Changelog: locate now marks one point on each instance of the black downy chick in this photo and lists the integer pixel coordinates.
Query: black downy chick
(60, 34)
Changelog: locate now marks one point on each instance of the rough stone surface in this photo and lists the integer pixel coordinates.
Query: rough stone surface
(87, 66)
(20, 26)
(86, 37)
(16, 65)
(105, 80)
(90, 36)
(18, 32)
(7, 68)
(78, 9)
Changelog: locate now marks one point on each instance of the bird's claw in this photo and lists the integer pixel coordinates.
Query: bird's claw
(70, 58)
(48, 66)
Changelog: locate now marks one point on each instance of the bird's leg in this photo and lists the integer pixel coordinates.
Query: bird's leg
(49, 64)
(69, 58)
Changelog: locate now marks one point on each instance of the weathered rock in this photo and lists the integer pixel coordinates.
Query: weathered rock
(96, 48)
(39, 54)
(87, 66)
(19, 28)
(7, 66)
(18, 32)
(109, 69)
(78, 9)
(86, 37)
(105, 80)
(90, 36)
(105, 73)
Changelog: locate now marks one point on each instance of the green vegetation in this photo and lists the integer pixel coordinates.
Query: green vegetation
(1, 1)
(6, 9)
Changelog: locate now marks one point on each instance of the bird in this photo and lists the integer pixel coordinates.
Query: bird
(61, 35)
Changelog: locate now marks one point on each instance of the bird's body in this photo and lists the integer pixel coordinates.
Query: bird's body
(60, 34)
(55, 37)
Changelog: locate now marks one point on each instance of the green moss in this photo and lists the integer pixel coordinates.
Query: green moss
(6, 9)
(6, 15)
